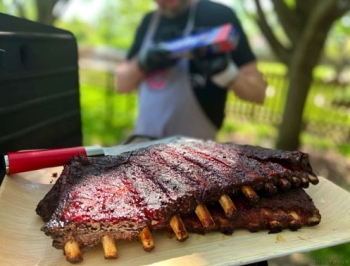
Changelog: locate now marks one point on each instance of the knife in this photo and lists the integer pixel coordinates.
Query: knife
(17, 162)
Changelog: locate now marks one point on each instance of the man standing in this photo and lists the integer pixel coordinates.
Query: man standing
(186, 97)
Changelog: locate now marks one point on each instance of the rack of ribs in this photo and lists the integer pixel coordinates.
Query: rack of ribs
(185, 186)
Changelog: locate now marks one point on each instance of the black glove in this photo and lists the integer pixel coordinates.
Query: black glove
(154, 58)
(220, 68)
(211, 65)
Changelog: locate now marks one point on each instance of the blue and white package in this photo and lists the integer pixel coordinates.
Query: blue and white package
(216, 40)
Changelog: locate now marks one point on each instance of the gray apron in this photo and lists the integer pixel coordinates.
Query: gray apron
(167, 103)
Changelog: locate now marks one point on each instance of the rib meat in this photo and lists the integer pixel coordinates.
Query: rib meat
(288, 209)
(121, 195)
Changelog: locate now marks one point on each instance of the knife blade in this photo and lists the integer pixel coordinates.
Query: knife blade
(23, 161)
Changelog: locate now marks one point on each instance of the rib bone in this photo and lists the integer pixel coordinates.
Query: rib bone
(296, 181)
(228, 206)
(315, 219)
(284, 184)
(313, 179)
(250, 194)
(146, 239)
(294, 215)
(305, 182)
(204, 216)
(295, 224)
(72, 252)
(275, 226)
(270, 188)
(109, 247)
(179, 228)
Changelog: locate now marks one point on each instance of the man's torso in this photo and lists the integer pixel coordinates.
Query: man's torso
(211, 98)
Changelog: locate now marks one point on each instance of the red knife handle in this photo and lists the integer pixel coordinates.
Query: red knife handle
(33, 160)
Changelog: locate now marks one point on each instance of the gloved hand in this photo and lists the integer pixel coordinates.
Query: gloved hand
(220, 68)
(154, 58)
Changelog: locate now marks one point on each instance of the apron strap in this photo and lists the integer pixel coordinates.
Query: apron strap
(151, 29)
(191, 18)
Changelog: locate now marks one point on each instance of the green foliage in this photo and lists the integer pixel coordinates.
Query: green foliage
(83, 32)
(115, 24)
(119, 20)
(338, 43)
(344, 149)
(2, 7)
(336, 253)
(290, 3)
(107, 117)
(272, 67)
(342, 97)
(22, 8)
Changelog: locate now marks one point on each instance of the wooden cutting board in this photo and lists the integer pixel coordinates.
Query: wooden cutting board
(22, 242)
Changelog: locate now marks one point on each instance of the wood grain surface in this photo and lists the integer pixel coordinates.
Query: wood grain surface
(22, 242)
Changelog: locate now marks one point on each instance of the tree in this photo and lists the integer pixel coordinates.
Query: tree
(43, 11)
(119, 19)
(306, 24)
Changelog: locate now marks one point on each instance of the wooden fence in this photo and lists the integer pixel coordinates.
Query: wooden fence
(321, 117)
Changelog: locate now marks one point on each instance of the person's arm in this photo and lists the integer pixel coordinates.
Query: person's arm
(245, 81)
(150, 59)
(128, 76)
(249, 84)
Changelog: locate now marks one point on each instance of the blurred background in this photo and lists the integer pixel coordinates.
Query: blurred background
(303, 49)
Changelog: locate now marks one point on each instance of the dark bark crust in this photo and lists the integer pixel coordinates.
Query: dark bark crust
(120, 195)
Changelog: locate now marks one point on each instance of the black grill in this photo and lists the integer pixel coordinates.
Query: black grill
(39, 86)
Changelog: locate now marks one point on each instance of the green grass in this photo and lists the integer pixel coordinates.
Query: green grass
(107, 118)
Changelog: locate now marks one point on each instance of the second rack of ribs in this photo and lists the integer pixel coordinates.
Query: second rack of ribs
(148, 187)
